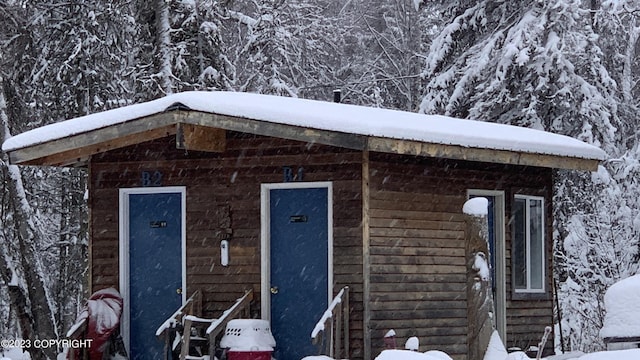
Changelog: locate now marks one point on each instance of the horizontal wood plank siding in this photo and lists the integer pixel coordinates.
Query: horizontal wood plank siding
(230, 179)
(416, 234)
(418, 274)
(527, 318)
(410, 237)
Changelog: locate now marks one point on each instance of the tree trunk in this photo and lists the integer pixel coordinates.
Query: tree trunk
(72, 247)
(29, 294)
(630, 55)
(163, 29)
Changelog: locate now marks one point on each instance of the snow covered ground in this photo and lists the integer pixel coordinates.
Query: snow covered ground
(18, 354)
(496, 351)
(633, 354)
(13, 354)
(622, 318)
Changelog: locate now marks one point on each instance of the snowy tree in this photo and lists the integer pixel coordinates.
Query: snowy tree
(566, 66)
(282, 47)
(179, 47)
(534, 64)
(600, 247)
(25, 277)
(618, 22)
(543, 65)
(382, 55)
(74, 58)
(600, 243)
(58, 61)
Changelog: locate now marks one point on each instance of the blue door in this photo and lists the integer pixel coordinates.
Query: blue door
(299, 268)
(155, 268)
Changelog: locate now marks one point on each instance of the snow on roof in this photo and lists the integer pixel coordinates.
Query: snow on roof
(329, 116)
(622, 317)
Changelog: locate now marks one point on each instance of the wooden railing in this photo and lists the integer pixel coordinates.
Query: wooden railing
(240, 308)
(188, 317)
(191, 322)
(331, 333)
(167, 331)
(78, 332)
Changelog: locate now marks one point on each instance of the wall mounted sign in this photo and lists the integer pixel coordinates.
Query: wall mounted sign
(298, 218)
(290, 175)
(151, 178)
(158, 224)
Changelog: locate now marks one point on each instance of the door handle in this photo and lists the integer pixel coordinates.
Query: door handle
(179, 291)
(274, 290)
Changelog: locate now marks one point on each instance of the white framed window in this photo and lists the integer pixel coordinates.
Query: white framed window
(528, 244)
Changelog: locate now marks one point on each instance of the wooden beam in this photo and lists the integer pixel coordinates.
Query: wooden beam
(200, 138)
(235, 310)
(266, 128)
(409, 147)
(609, 340)
(68, 157)
(69, 149)
(366, 253)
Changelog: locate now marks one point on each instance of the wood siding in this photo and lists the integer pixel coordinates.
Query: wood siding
(223, 191)
(414, 243)
(417, 250)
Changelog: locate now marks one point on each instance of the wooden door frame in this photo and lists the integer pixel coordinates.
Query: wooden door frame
(265, 238)
(123, 253)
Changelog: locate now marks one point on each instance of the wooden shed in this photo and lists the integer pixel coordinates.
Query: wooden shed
(295, 199)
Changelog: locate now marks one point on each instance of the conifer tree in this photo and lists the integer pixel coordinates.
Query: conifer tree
(552, 65)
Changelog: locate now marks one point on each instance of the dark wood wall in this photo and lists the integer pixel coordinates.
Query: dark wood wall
(224, 188)
(417, 250)
(417, 260)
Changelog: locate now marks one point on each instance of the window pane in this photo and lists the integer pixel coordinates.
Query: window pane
(537, 243)
(519, 245)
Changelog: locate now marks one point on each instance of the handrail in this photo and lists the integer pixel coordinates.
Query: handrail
(78, 331)
(335, 320)
(188, 315)
(242, 306)
(193, 306)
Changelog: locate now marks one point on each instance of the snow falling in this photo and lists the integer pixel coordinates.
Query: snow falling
(564, 66)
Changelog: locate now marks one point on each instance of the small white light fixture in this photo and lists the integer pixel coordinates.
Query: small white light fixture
(224, 252)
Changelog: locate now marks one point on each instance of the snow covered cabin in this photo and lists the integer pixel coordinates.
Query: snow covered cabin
(295, 199)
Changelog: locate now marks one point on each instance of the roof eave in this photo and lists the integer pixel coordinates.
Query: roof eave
(76, 149)
(457, 152)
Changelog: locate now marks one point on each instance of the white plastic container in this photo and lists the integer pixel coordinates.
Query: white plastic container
(248, 335)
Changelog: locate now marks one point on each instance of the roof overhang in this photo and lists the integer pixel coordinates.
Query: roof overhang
(76, 149)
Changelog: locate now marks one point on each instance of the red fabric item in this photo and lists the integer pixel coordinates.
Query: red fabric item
(103, 310)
